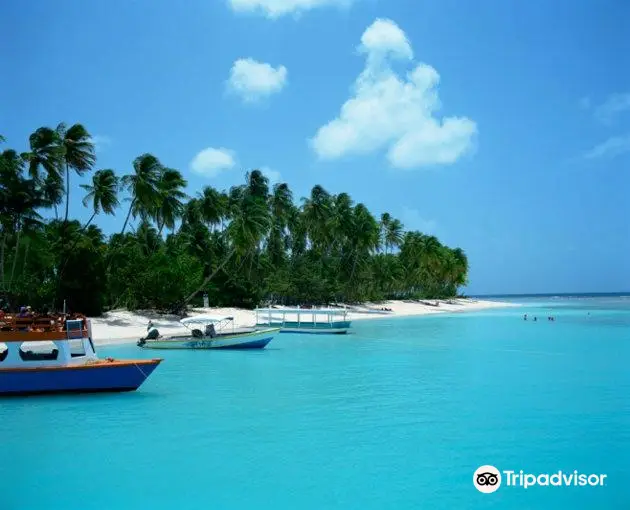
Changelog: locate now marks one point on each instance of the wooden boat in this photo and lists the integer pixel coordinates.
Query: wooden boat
(55, 354)
(217, 333)
(326, 321)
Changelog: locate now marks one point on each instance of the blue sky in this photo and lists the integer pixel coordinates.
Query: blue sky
(500, 127)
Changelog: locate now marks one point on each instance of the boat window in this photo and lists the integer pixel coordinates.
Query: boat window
(38, 351)
(4, 352)
(76, 347)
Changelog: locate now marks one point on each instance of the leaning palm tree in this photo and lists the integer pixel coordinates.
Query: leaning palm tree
(250, 222)
(77, 153)
(143, 187)
(102, 193)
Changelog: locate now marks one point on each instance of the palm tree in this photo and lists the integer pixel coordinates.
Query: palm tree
(45, 153)
(213, 206)
(394, 234)
(103, 193)
(365, 235)
(342, 222)
(143, 187)
(170, 196)
(52, 191)
(386, 219)
(317, 214)
(77, 153)
(281, 206)
(19, 200)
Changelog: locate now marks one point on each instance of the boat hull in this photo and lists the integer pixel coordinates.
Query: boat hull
(105, 376)
(242, 341)
(318, 328)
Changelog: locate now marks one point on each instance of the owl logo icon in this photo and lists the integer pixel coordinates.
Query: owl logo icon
(487, 479)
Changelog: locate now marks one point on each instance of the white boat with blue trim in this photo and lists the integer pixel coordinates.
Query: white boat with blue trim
(210, 332)
(320, 321)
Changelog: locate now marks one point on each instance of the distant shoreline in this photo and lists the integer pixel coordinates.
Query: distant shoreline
(123, 327)
(552, 295)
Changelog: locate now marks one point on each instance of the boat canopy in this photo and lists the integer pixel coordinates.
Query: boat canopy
(317, 311)
(206, 319)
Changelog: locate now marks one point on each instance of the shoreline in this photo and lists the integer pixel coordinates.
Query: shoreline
(124, 327)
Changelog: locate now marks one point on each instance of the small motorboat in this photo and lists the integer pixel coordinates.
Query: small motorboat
(55, 354)
(210, 332)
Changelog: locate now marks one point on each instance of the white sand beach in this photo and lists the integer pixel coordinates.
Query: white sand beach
(122, 326)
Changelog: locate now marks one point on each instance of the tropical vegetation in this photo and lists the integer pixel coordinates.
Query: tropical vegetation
(250, 244)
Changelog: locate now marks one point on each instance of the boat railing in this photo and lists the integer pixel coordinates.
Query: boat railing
(43, 327)
(280, 314)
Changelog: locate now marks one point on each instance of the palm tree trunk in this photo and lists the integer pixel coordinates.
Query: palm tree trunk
(210, 277)
(25, 257)
(56, 212)
(17, 249)
(127, 218)
(65, 220)
(2, 247)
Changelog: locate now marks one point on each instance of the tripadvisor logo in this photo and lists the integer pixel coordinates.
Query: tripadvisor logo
(488, 479)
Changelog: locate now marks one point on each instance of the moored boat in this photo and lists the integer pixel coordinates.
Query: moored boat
(56, 354)
(217, 333)
(326, 321)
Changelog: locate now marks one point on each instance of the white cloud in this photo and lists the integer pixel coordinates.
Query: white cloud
(100, 142)
(412, 220)
(277, 8)
(613, 147)
(210, 162)
(253, 80)
(393, 112)
(614, 105)
(273, 175)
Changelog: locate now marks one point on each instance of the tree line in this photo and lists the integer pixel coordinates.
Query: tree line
(250, 244)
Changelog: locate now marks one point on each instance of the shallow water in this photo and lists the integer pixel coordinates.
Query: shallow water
(397, 415)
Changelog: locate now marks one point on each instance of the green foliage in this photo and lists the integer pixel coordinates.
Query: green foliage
(249, 244)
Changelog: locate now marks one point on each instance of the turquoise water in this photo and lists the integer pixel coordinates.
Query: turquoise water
(396, 416)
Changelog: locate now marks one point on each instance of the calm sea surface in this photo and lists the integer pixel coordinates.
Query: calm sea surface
(397, 416)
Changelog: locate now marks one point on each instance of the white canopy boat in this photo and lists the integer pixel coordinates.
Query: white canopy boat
(326, 321)
(210, 332)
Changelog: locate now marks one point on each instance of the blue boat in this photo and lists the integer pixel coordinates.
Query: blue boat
(55, 354)
(320, 321)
